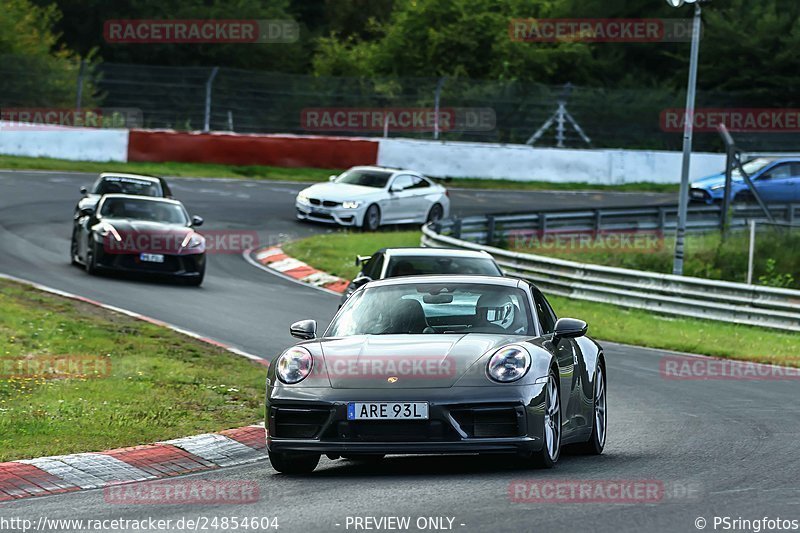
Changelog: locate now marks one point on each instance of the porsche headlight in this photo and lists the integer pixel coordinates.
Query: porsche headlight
(294, 365)
(351, 205)
(508, 364)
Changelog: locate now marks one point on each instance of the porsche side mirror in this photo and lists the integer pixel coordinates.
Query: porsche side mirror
(569, 328)
(197, 221)
(304, 329)
(84, 191)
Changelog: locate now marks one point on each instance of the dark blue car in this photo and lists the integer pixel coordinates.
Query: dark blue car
(776, 180)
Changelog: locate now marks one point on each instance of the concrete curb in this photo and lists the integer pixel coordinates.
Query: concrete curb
(68, 473)
(274, 260)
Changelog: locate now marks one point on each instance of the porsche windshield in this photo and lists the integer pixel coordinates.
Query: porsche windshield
(150, 210)
(366, 178)
(435, 308)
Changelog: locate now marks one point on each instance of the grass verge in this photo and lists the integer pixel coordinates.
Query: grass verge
(78, 378)
(334, 252)
(210, 170)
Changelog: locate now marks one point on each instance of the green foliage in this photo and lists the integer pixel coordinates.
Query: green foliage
(773, 278)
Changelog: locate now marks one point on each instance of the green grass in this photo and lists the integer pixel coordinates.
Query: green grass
(210, 170)
(776, 258)
(161, 384)
(335, 252)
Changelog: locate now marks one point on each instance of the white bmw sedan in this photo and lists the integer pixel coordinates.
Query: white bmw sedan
(370, 196)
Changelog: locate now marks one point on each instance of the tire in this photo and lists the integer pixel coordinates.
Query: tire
(372, 218)
(293, 463)
(435, 214)
(597, 440)
(197, 281)
(551, 433)
(91, 258)
(73, 248)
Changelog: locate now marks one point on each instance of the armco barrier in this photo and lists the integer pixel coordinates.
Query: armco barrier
(237, 149)
(63, 142)
(664, 293)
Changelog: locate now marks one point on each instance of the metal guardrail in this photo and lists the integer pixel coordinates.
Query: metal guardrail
(726, 301)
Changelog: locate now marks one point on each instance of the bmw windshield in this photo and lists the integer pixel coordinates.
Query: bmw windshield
(365, 178)
(434, 308)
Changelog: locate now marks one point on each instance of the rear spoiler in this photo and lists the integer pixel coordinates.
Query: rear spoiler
(361, 259)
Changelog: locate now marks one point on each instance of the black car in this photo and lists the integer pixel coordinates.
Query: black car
(396, 262)
(437, 365)
(140, 234)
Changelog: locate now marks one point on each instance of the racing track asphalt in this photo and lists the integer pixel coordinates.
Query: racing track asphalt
(732, 444)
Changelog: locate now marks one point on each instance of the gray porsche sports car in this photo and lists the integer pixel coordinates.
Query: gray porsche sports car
(441, 365)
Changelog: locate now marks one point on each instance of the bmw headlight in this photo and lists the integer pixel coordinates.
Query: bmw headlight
(351, 205)
(302, 198)
(508, 364)
(294, 365)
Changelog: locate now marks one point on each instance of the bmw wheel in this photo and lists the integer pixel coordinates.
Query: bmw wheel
(435, 214)
(372, 218)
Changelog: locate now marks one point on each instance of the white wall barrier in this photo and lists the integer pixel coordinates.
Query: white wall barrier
(60, 142)
(524, 163)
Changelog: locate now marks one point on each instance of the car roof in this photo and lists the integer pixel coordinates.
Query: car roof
(385, 169)
(434, 252)
(447, 278)
(143, 198)
(144, 177)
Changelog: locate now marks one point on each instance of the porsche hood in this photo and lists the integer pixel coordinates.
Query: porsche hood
(402, 361)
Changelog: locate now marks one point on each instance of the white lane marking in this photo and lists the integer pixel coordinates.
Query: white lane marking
(217, 449)
(89, 470)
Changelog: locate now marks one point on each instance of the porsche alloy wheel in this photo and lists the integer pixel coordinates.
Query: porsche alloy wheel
(551, 447)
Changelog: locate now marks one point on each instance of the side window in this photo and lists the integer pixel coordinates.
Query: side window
(403, 182)
(374, 266)
(777, 172)
(795, 170)
(547, 318)
(419, 183)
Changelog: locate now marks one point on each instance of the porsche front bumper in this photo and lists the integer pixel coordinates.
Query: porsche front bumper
(502, 419)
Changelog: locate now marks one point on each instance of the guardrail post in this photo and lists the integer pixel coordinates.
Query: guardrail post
(792, 207)
(542, 223)
(597, 221)
(455, 231)
(489, 230)
(662, 219)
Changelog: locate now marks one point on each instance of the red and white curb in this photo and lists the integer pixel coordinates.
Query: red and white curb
(68, 473)
(274, 260)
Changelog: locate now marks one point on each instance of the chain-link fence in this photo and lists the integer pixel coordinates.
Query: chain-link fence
(224, 99)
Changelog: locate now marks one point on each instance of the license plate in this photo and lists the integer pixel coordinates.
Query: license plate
(152, 258)
(320, 211)
(387, 411)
